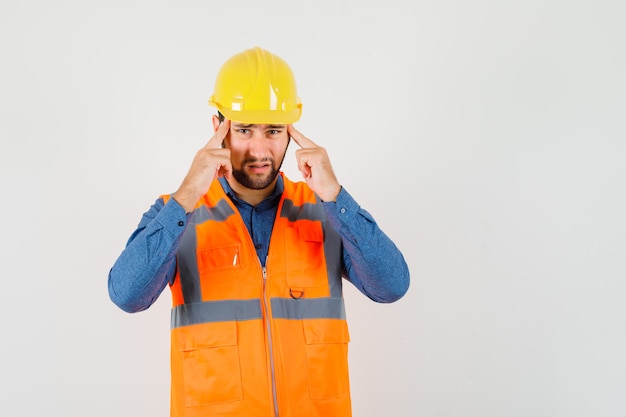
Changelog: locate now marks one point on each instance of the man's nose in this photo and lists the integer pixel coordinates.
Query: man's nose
(258, 146)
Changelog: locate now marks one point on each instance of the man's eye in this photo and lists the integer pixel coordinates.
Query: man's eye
(243, 131)
(274, 132)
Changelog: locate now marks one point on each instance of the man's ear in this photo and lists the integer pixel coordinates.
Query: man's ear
(216, 122)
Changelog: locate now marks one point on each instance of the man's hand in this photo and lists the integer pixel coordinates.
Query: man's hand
(314, 164)
(210, 162)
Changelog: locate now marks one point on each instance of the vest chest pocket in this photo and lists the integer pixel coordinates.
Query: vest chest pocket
(220, 257)
(327, 357)
(210, 364)
(305, 262)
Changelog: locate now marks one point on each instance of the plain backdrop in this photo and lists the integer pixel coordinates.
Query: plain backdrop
(488, 139)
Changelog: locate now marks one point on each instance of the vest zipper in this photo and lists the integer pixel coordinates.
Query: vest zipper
(269, 339)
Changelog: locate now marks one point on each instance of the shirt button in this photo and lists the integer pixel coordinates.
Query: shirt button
(258, 246)
(181, 223)
(342, 210)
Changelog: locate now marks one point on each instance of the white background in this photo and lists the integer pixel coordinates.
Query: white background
(487, 138)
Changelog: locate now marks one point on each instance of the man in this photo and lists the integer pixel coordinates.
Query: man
(255, 261)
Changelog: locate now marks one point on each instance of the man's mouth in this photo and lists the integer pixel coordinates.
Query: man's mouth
(260, 167)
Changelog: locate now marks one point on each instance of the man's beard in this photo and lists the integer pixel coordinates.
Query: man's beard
(256, 183)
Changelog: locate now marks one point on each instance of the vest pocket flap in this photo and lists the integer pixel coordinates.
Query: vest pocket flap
(207, 335)
(318, 331)
(310, 231)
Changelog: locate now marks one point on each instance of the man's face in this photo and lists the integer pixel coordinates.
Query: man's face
(257, 153)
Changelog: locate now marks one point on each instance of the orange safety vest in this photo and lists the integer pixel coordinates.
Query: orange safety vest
(254, 341)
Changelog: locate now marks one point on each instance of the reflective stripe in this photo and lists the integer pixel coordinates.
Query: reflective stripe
(219, 213)
(308, 308)
(214, 311)
(333, 252)
(188, 267)
(307, 211)
(240, 310)
(188, 264)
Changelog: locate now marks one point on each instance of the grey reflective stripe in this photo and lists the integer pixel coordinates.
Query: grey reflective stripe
(307, 211)
(215, 311)
(187, 261)
(187, 266)
(333, 252)
(219, 213)
(241, 310)
(308, 308)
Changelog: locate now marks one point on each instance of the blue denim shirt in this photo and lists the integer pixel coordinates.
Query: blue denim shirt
(371, 261)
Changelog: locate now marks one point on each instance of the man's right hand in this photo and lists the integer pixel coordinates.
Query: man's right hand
(210, 162)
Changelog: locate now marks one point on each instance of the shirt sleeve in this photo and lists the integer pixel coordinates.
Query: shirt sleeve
(372, 262)
(148, 262)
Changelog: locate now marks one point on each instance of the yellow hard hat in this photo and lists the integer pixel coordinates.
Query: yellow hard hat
(258, 87)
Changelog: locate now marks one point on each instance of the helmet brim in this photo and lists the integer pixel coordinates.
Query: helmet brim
(270, 117)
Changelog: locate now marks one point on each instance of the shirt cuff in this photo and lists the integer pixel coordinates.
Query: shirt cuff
(173, 217)
(343, 208)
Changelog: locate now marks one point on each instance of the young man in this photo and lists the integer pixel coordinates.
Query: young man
(255, 261)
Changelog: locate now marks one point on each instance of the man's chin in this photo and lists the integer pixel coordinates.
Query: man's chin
(255, 182)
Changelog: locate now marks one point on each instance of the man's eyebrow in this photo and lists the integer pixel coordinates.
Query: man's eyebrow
(243, 126)
(276, 126)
